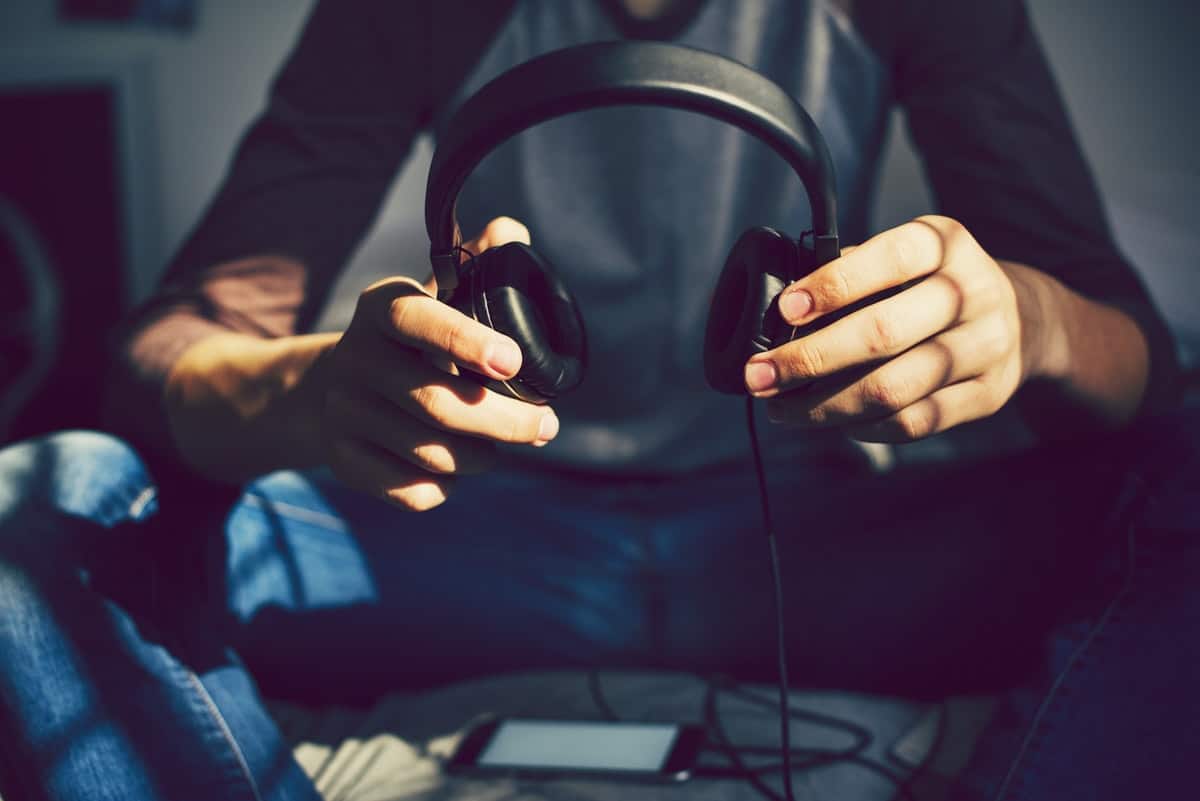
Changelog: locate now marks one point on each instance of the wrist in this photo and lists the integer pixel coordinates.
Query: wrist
(238, 406)
(1045, 342)
(1089, 360)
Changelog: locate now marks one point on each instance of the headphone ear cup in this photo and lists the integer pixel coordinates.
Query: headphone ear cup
(518, 293)
(742, 318)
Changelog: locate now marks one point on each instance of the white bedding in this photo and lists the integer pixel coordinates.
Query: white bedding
(392, 751)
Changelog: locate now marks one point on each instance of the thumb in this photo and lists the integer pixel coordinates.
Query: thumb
(499, 231)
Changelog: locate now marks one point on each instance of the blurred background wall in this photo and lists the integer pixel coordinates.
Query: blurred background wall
(183, 96)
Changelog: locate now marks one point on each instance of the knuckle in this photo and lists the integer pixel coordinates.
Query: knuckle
(455, 339)
(817, 415)
(401, 497)
(494, 228)
(964, 293)
(884, 337)
(512, 421)
(904, 249)
(386, 303)
(515, 432)
(994, 401)
(883, 395)
(943, 226)
(950, 233)
(435, 458)
(998, 288)
(919, 245)
(506, 229)
(833, 292)
(399, 313)
(912, 247)
(520, 427)
(805, 360)
(996, 338)
(433, 403)
(951, 228)
(419, 497)
(995, 395)
(912, 424)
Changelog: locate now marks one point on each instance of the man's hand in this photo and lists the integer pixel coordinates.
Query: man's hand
(400, 422)
(951, 348)
(382, 404)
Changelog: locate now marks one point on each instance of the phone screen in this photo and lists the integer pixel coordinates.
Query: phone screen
(579, 745)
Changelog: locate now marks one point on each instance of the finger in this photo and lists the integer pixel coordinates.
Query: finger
(889, 259)
(870, 334)
(408, 316)
(373, 419)
(372, 470)
(948, 407)
(963, 352)
(499, 231)
(448, 402)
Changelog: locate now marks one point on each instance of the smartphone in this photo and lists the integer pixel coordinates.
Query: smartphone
(663, 752)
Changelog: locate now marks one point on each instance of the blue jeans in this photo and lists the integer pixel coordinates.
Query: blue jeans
(136, 644)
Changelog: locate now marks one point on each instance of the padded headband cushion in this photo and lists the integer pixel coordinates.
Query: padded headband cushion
(522, 297)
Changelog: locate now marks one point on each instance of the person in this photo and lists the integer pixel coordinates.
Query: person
(246, 535)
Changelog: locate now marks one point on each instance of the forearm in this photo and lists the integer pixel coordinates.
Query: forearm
(1087, 363)
(239, 406)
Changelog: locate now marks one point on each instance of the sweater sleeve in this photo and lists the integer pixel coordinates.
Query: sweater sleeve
(303, 187)
(1001, 157)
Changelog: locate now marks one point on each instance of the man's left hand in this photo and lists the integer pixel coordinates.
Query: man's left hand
(951, 348)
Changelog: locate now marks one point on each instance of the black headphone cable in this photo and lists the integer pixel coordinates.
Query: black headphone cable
(785, 728)
(808, 758)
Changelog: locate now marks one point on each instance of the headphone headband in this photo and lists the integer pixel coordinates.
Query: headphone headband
(622, 73)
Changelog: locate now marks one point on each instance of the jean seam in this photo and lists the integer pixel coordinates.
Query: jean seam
(300, 514)
(223, 725)
(1033, 735)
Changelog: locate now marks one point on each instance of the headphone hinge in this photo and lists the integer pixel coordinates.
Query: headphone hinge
(826, 248)
(445, 270)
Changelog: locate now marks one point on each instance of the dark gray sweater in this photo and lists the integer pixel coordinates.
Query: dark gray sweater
(637, 207)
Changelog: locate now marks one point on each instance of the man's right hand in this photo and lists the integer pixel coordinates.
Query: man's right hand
(382, 404)
(399, 423)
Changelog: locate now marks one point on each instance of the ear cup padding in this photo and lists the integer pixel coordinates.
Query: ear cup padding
(742, 319)
(520, 295)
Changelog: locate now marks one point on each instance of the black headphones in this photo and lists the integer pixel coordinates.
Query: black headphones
(516, 292)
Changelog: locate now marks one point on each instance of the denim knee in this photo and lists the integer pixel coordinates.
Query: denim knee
(80, 474)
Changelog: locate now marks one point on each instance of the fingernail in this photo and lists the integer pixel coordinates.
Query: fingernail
(504, 357)
(760, 376)
(795, 305)
(548, 428)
